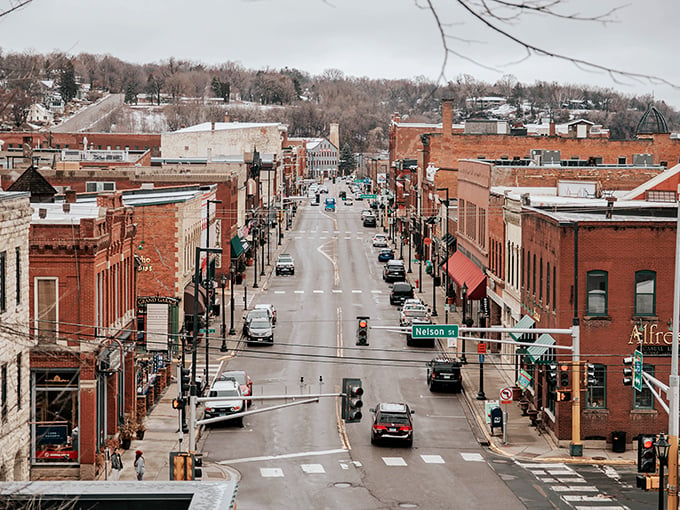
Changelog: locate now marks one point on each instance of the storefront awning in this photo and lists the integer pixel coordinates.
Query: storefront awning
(189, 300)
(524, 322)
(236, 247)
(463, 271)
(540, 347)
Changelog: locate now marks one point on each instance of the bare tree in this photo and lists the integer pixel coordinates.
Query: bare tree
(13, 5)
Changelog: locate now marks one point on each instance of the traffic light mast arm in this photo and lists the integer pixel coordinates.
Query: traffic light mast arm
(651, 382)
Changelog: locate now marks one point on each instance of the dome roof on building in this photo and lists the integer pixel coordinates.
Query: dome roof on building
(652, 122)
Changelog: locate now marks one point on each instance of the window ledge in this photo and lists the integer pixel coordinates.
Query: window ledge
(596, 411)
(644, 411)
(650, 318)
(596, 318)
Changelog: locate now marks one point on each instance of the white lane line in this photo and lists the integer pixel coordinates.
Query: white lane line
(356, 463)
(394, 461)
(617, 507)
(472, 457)
(324, 231)
(337, 291)
(574, 488)
(573, 479)
(318, 292)
(348, 232)
(344, 466)
(376, 291)
(312, 469)
(581, 498)
(356, 292)
(432, 459)
(323, 237)
(299, 291)
(271, 472)
(284, 456)
(279, 292)
(348, 237)
(302, 231)
(298, 237)
(336, 231)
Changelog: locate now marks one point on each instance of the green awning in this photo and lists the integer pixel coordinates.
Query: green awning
(236, 247)
(540, 347)
(524, 322)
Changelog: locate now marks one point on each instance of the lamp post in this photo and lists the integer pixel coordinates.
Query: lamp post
(401, 245)
(223, 284)
(208, 286)
(480, 393)
(410, 242)
(254, 241)
(232, 274)
(661, 446)
(445, 281)
(434, 282)
(422, 254)
(263, 230)
(463, 292)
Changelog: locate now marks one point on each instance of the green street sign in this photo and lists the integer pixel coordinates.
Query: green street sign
(637, 370)
(202, 330)
(368, 196)
(419, 331)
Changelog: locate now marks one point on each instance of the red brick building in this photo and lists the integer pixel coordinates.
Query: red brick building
(82, 305)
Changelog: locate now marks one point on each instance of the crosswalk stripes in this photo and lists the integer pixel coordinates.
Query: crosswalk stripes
(568, 483)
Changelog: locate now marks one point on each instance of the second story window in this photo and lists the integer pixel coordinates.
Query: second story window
(597, 293)
(645, 293)
(596, 393)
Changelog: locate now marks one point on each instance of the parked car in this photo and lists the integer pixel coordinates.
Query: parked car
(412, 301)
(254, 314)
(414, 314)
(231, 400)
(366, 212)
(385, 254)
(392, 422)
(380, 241)
(260, 330)
(244, 382)
(400, 292)
(349, 202)
(370, 221)
(443, 373)
(394, 271)
(270, 308)
(285, 263)
(323, 189)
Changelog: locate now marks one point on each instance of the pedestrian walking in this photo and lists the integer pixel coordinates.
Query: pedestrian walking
(116, 465)
(139, 464)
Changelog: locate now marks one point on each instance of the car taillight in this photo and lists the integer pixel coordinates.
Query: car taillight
(379, 427)
(405, 428)
(434, 374)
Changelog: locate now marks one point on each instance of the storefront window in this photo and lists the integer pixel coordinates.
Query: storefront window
(54, 430)
(644, 399)
(596, 393)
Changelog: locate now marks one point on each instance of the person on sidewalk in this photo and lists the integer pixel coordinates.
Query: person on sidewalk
(116, 465)
(139, 464)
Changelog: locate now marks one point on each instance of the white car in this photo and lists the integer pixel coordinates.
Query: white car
(348, 201)
(380, 240)
(270, 308)
(231, 400)
(260, 330)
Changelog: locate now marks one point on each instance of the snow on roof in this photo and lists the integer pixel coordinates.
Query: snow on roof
(420, 125)
(57, 215)
(651, 183)
(224, 126)
(132, 198)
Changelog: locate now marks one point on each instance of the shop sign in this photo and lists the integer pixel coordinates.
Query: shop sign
(650, 341)
(165, 300)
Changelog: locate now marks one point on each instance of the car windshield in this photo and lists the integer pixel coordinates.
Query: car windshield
(414, 312)
(238, 377)
(404, 287)
(224, 393)
(258, 314)
(285, 258)
(260, 324)
(397, 419)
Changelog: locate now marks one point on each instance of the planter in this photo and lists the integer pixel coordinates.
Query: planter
(125, 443)
(140, 434)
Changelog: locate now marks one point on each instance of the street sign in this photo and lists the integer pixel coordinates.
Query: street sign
(481, 358)
(452, 343)
(368, 196)
(506, 395)
(524, 379)
(420, 331)
(637, 370)
(481, 348)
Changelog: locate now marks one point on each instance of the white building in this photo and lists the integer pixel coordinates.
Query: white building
(322, 158)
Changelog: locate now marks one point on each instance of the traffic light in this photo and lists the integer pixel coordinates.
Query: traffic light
(177, 403)
(564, 375)
(351, 400)
(589, 375)
(628, 371)
(362, 331)
(646, 454)
(197, 463)
(185, 379)
(552, 374)
(182, 466)
(563, 396)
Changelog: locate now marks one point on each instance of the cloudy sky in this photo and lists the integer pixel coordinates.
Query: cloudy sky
(374, 38)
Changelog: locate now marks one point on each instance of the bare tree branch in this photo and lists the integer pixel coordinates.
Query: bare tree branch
(13, 8)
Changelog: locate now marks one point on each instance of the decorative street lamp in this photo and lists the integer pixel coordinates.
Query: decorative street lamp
(232, 274)
(254, 241)
(661, 446)
(463, 292)
(223, 284)
(480, 393)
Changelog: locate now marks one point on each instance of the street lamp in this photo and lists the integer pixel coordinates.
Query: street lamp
(661, 446)
(434, 281)
(480, 393)
(254, 241)
(232, 274)
(223, 284)
(446, 251)
(463, 292)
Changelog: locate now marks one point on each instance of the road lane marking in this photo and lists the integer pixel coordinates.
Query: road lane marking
(348, 237)
(299, 291)
(337, 291)
(356, 292)
(394, 461)
(472, 457)
(376, 291)
(279, 292)
(312, 469)
(574, 488)
(432, 459)
(283, 456)
(271, 472)
(318, 291)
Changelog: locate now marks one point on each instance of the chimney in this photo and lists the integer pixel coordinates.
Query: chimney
(334, 135)
(552, 128)
(70, 196)
(42, 213)
(610, 206)
(447, 117)
(66, 206)
(227, 118)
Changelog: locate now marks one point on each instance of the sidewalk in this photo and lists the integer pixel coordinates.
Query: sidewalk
(524, 441)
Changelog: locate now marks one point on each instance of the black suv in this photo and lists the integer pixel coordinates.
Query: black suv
(394, 271)
(443, 373)
(401, 291)
(392, 422)
(370, 221)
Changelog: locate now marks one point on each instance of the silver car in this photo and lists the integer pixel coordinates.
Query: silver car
(260, 330)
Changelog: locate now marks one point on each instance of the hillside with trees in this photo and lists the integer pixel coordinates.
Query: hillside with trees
(168, 95)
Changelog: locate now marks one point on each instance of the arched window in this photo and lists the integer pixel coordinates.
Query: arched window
(597, 293)
(645, 293)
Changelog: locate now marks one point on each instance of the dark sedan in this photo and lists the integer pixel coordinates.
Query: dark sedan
(385, 255)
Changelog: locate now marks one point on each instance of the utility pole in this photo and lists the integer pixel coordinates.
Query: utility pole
(445, 281)
(208, 286)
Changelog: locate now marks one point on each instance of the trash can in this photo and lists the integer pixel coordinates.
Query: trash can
(618, 441)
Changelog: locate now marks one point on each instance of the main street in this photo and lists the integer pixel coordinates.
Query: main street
(304, 456)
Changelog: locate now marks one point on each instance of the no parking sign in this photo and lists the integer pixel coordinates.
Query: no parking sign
(506, 395)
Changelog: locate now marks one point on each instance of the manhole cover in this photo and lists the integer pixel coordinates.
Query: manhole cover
(342, 485)
(408, 505)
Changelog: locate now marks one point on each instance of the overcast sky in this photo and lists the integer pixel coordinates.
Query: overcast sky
(374, 38)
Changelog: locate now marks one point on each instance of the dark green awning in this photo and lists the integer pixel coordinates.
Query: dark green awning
(236, 247)
(524, 322)
(540, 347)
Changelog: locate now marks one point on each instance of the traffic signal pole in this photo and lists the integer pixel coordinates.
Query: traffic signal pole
(673, 395)
(576, 447)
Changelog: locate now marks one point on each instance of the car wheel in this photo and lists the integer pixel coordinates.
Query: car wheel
(409, 443)
(239, 422)
(432, 387)
(292, 273)
(373, 440)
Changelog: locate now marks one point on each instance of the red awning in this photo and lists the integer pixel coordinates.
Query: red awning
(463, 271)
